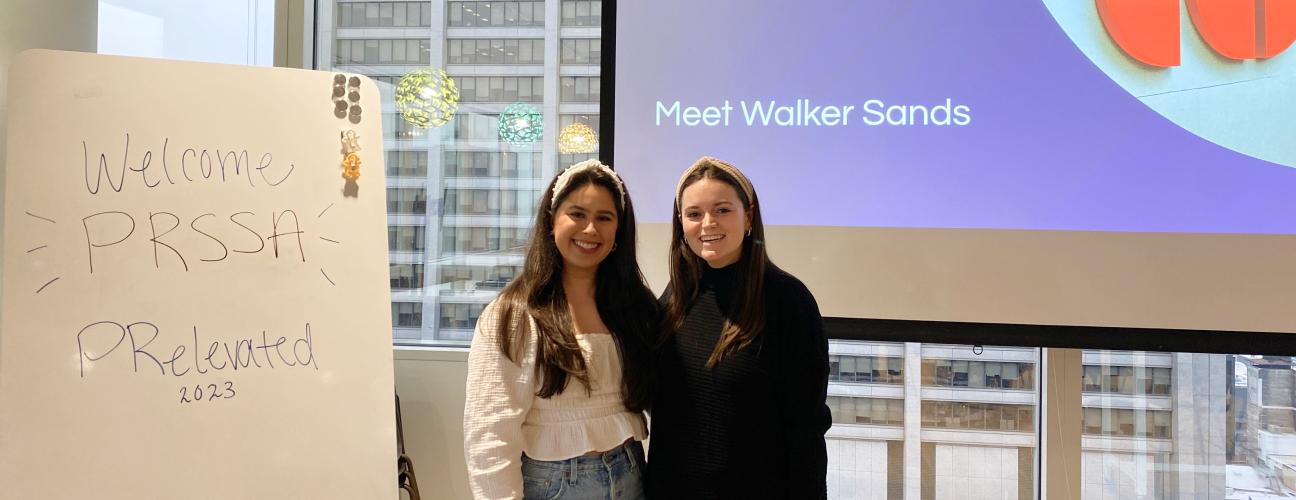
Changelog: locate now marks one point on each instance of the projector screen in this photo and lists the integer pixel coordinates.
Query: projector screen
(1109, 163)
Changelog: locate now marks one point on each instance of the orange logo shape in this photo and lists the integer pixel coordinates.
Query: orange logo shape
(1148, 30)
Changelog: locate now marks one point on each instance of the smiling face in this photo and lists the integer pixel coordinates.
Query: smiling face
(714, 221)
(585, 227)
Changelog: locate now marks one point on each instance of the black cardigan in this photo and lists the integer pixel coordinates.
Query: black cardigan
(753, 427)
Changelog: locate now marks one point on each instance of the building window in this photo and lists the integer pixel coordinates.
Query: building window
(384, 14)
(474, 127)
(988, 416)
(407, 314)
(565, 160)
(487, 14)
(382, 51)
(978, 374)
(582, 12)
(407, 163)
(460, 315)
(396, 126)
(406, 201)
(494, 164)
(581, 88)
(405, 238)
(582, 51)
(490, 201)
(1125, 422)
(483, 239)
(1127, 379)
(495, 51)
(500, 88)
(865, 369)
(849, 410)
(478, 278)
(406, 276)
(591, 120)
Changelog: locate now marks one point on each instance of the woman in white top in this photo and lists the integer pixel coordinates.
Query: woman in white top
(560, 372)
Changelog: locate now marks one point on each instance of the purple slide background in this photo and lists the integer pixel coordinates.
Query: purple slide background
(1053, 143)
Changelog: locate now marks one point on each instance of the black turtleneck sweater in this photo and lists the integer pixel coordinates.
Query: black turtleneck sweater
(753, 426)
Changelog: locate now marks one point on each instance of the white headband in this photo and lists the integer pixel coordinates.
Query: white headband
(565, 177)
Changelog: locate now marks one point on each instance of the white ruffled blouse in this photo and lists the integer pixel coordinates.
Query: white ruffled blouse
(503, 418)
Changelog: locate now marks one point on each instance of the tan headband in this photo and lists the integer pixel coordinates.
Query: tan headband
(722, 165)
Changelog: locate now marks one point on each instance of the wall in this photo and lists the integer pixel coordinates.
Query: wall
(431, 385)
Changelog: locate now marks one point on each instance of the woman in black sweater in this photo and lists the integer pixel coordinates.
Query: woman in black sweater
(742, 361)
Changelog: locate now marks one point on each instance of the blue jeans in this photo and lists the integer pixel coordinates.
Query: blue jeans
(615, 475)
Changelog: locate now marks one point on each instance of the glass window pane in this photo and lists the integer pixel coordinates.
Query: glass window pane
(569, 13)
(398, 14)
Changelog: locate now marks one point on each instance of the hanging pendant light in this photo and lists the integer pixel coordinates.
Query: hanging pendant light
(577, 138)
(427, 97)
(521, 124)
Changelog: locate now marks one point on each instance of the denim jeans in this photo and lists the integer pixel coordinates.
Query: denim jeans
(615, 475)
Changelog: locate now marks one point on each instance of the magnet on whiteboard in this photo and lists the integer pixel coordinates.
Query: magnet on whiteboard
(339, 79)
(354, 96)
(350, 142)
(339, 90)
(352, 167)
(355, 110)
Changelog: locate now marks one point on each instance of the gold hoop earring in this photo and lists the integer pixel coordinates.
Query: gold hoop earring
(749, 231)
(613, 248)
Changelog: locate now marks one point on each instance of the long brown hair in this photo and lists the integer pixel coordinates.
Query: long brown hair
(624, 301)
(747, 317)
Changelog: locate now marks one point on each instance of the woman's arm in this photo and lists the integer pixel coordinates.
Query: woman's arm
(803, 387)
(500, 392)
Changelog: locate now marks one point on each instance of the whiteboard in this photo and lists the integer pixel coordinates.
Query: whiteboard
(196, 302)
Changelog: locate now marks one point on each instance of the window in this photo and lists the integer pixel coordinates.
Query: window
(406, 276)
(978, 374)
(565, 160)
(581, 88)
(865, 369)
(384, 14)
(407, 314)
(407, 163)
(460, 315)
(849, 410)
(483, 239)
(496, 14)
(582, 51)
(492, 164)
(406, 201)
(395, 127)
(463, 199)
(474, 127)
(405, 238)
(1127, 379)
(491, 201)
(477, 278)
(500, 88)
(382, 51)
(1126, 422)
(582, 12)
(972, 415)
(591, 120)
(495, 51)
